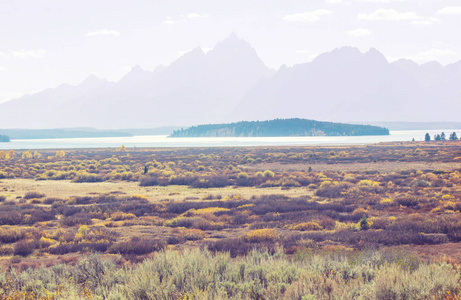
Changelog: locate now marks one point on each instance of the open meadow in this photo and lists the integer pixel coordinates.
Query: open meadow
(380, 221)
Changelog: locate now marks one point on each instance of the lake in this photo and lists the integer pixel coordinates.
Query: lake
(164, 141)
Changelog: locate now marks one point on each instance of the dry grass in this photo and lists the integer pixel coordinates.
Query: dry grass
(382, 167)
(64, 189)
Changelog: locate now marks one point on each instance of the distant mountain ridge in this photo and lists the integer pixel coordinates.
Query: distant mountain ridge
(280, 128)
(26, 134)
(231, 83)
(418, 125)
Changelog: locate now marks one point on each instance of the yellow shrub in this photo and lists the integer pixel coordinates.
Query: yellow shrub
(139, 197)
(449, 205)
(346, 226)
(193, 234)
(307, 226)
(261, 235)
(46, 242)
(325, 183)
(366, 182)
(386, 201)
(119, 216)
(83, 229)
(208, 210)
(246, 205)
(437, 210)
(359, 211)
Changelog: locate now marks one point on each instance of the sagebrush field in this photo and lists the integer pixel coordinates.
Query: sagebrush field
(356, 222)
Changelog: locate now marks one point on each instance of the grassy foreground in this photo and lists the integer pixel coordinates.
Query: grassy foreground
(199, 274)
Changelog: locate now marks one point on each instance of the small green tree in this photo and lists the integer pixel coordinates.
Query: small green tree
(364, 225)
(453, 136)
(427, 137)
(442, 136)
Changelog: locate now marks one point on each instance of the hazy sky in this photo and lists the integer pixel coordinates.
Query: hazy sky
(44, 43)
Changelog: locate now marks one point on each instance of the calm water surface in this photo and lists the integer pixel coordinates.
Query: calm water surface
(164, 141)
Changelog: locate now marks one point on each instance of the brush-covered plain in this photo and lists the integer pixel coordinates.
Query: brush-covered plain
(355, 222)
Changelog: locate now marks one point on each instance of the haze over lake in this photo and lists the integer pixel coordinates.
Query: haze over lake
(164, 141)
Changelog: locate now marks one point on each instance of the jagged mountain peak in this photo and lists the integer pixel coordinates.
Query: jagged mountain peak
(90, 80)
(135, 75)
(233, 44)
(374, 54)
(195, 55)
(233, 39)
(137, 69)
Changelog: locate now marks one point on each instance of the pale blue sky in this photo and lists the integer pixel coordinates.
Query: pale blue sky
(48, 42)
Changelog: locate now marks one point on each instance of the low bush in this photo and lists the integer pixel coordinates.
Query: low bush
(32, 195)
(137, 246)
(24, 248)
(80, 247)
(235, 247)
(11, 235)
(88, 177)
(307, 226)
(261, 235)
(193, 234)
(120, 216)
(6, 250)
(211, 182)
(76, 219)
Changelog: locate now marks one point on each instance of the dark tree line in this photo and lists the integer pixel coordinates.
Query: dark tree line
(4, 138)
(441, 137)
(280, 127)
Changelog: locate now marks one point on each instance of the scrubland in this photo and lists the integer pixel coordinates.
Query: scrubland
(356, 222)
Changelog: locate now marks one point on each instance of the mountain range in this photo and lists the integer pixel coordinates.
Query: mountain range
(231, 83)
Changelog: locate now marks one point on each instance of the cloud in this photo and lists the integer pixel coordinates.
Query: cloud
(197, 15)
(28, 53)
(2, 68)
(3, 55)
(170, 21)
(359, 32)
(426, 21)
(393, 15)
(450, 10)
(309, 16)
(433, 54)
(334, 1)
(103, 32)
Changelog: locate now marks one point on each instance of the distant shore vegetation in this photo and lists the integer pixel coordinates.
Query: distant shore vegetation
(4, 138)
(441, 137)
(279, 128)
